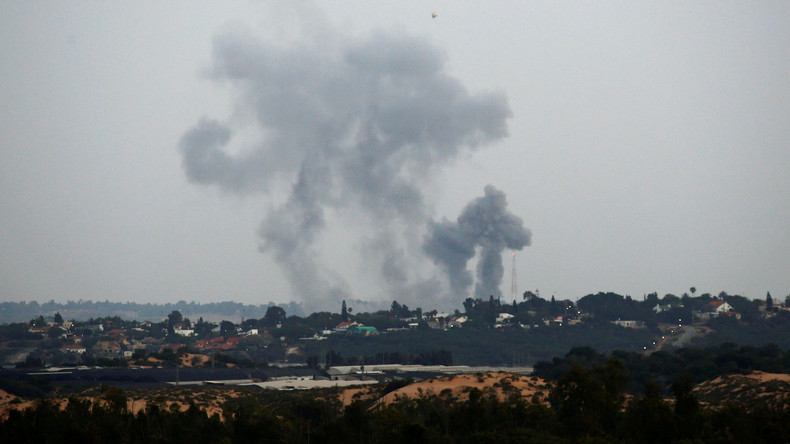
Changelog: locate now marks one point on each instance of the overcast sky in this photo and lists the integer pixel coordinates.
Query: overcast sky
(274, 151)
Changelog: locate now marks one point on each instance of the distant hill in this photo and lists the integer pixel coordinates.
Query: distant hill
(132, 311)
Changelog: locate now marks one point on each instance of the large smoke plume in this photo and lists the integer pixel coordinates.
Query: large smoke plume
(354, 125)
(485, 223)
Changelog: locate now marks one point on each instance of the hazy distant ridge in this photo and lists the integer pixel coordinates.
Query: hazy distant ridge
(84, 310)
(213, 311)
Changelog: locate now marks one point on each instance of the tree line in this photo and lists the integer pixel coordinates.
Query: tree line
(585, 405)
(663, 368)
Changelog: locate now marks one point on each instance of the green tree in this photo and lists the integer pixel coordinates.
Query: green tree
(203, 328)
(274, 315)
(249, 324)
(400, 311)
(115, 398)
(649, 419)
(588, 402)
(54, 332)
(38, 322)
(174, 317)
(687, 408)
(31, 362)
(227, 328)
(652, 298)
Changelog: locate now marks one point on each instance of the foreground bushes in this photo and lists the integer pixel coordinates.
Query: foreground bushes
(586, 405)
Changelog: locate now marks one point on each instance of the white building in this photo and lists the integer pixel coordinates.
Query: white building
(502, 317)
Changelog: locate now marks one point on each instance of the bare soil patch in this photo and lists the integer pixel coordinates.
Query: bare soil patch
(208, 399)
(502, 385)
(194, 360)
(773, 388)
(10, 402)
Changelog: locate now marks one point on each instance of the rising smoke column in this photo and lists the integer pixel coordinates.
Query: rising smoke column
(485, 223)
(353, 124)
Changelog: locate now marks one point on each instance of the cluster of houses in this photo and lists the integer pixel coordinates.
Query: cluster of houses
(132, 342)
(142, 339)
(124, 343)
(711, 310)
(717, 308)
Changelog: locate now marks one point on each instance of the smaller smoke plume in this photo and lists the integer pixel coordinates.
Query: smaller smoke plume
(485, 223)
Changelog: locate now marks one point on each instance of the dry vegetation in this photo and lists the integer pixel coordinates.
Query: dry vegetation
(211, 399)
(773, 388)
(10, 402)
(207, 398)
(503, 385)
(729, 389)
(194, 360)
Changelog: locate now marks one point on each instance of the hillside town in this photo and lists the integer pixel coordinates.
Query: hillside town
(277, 339)
(537, 355)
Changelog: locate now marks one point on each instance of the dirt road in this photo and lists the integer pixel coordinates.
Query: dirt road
(686, 333)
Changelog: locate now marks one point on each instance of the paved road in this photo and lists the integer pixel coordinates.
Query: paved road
(687, 332)
(683, 337)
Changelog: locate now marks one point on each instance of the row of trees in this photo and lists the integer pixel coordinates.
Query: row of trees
(487, 346)
(663, 368)
(612, 306)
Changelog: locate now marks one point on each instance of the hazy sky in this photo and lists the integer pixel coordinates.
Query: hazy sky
(274, 151)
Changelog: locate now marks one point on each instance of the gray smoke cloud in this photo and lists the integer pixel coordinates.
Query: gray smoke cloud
(355, 124)
(484, 223)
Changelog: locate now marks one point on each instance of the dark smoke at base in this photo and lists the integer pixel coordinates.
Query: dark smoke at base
(484, 223)
(356, 125)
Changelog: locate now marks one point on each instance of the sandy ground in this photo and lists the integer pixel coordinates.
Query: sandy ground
(6, 405)
(744, 388)
(200, 360)
(755, 376)
(503, 385)
(211, 402)
(760, 376)
(350, 395)
(138, 405)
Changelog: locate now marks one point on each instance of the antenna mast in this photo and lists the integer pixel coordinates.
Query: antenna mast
(513, 285)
